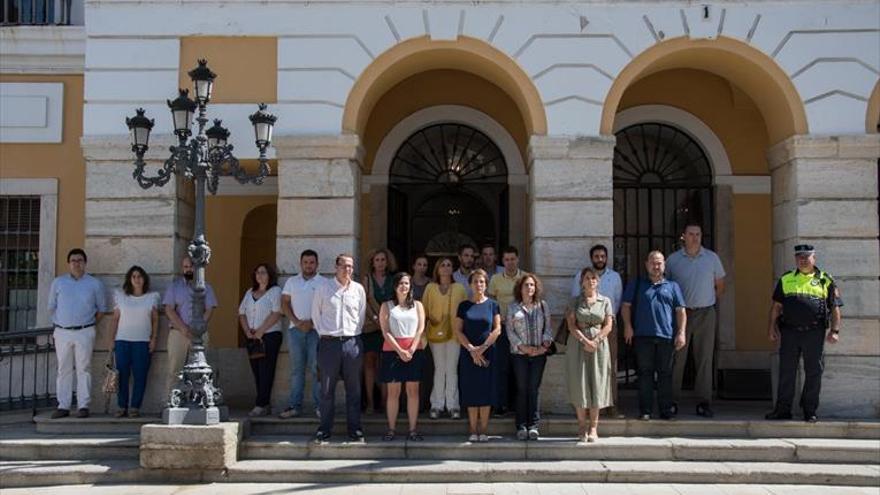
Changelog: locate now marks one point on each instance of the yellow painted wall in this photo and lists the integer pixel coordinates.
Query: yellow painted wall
(726, 109)
(224, 223)
(246, 67)
(63, 161)
(754, 269)
(441, 87)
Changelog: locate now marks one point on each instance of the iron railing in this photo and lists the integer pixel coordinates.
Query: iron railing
(27, 369)
(35, 12)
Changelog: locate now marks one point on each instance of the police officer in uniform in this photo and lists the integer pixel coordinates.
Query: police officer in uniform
(806, 302)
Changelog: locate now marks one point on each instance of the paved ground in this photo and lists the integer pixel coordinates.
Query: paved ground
(443, 489)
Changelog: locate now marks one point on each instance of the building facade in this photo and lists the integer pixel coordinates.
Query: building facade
(550, 126)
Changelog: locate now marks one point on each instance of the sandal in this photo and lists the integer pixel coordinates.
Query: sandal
(414, 436)
(389, 436)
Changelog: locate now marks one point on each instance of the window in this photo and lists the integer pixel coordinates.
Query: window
(19, 261)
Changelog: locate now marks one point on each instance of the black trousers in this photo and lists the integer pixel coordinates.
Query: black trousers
(528, 371)
(811, 345)
(264, 368)
(654, 356)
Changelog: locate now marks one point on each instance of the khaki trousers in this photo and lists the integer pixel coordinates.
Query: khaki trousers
(700, 333)
(177, 348)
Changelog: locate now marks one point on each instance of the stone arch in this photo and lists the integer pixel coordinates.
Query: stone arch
(422, 54)
(741, 64)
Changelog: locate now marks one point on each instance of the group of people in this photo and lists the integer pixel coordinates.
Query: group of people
(487, 326)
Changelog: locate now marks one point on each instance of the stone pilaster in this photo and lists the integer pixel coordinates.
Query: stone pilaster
(126, 225)
(825, 194)
(570, 209)
(318, 198)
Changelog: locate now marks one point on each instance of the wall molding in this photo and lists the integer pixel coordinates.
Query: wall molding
(43, 49)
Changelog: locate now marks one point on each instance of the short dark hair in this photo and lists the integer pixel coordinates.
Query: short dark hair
(539, 288)
(128, 287)
(273, 276)
(462, 247)
(309, 252)
(343, 255)
(487, 245)
(598, 247)
(78, 251)
(408, 301)
(509, 249)
(692, 223)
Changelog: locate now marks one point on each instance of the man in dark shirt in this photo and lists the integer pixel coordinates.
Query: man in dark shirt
(806, 302)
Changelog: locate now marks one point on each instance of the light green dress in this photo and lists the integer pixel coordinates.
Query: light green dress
(589, 374)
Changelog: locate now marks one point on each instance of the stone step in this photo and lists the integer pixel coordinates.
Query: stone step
(68, 447)
(557, 425)
(46, 473)
(842, 451)
(96, 424)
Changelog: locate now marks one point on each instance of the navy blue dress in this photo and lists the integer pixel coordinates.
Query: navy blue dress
(476, 385)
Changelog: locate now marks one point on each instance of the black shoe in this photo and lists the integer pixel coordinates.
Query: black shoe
(667, 415)
(357, 436)
(60, 413)
(321, 438)
(673, 409)
(83, 412)
(704, 410)
(776, 414)
(811, 417)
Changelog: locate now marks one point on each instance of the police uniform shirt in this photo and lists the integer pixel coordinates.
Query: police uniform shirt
(806, 299)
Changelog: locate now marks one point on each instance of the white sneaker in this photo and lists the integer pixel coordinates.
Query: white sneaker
(455, 414)
(473, 438)
(434, 414)
(484, 438)
(522, 434)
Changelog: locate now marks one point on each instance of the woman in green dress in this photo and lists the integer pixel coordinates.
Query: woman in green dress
(589, 319)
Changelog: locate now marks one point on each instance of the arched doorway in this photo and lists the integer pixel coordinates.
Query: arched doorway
(447, 186)
(662, 180)
(258, 233)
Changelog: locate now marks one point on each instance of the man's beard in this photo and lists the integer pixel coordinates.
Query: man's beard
(600, 266)
(188, 275)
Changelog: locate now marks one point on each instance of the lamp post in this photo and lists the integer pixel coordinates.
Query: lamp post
(202, 159)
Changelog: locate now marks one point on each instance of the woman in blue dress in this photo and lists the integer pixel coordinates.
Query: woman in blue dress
(477, 326)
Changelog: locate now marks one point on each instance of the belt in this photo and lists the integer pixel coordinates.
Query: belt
(76, 328)
(702, 308)
(341, 338)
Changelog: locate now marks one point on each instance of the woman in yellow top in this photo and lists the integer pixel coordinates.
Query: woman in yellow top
(441, 300)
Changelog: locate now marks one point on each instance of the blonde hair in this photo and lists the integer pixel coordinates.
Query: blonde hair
(391, 267)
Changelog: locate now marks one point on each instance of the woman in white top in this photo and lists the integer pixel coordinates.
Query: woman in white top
(135, 325)
(260, 317)
(402, 320)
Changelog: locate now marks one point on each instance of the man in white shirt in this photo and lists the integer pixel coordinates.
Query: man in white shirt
(338, 311)
(302, 339)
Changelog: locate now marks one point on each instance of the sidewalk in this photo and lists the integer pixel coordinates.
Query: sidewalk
(445, 489)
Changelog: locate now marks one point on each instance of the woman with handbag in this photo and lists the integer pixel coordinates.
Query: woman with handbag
(588, 356)
(530, 334)
(403, 321)
(441, 300)
(135, 328)
(378, 284)
(259, 315)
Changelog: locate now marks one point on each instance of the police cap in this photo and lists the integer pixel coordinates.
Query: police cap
(804, 249)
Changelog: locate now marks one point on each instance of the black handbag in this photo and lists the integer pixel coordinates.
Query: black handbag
(256, 348)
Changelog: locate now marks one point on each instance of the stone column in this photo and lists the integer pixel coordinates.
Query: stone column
(318, 198)
(126, 225)
(570, 209)
(825, 194)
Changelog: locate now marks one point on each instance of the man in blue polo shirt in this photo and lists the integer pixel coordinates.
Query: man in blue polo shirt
(659, 304)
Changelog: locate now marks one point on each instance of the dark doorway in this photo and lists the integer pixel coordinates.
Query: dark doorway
(662, 179)
(447, 186)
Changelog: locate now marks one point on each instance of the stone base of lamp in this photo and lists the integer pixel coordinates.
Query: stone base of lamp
(212, 446)
(191, 416)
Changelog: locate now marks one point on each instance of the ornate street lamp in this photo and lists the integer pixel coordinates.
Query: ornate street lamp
(203, 159)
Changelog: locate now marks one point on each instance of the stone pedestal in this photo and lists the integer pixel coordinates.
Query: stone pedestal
(318, 198)
(570, 210)
(189, 447)
(825, 194)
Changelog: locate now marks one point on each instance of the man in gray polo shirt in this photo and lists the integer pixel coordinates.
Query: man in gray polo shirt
(699, 273)
(76, 303)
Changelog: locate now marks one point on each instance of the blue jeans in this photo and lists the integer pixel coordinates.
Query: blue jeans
(132, 358)
(341, 359)
(303, 348)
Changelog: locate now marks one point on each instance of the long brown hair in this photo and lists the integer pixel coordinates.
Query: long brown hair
(273, 276)
(436, 274)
